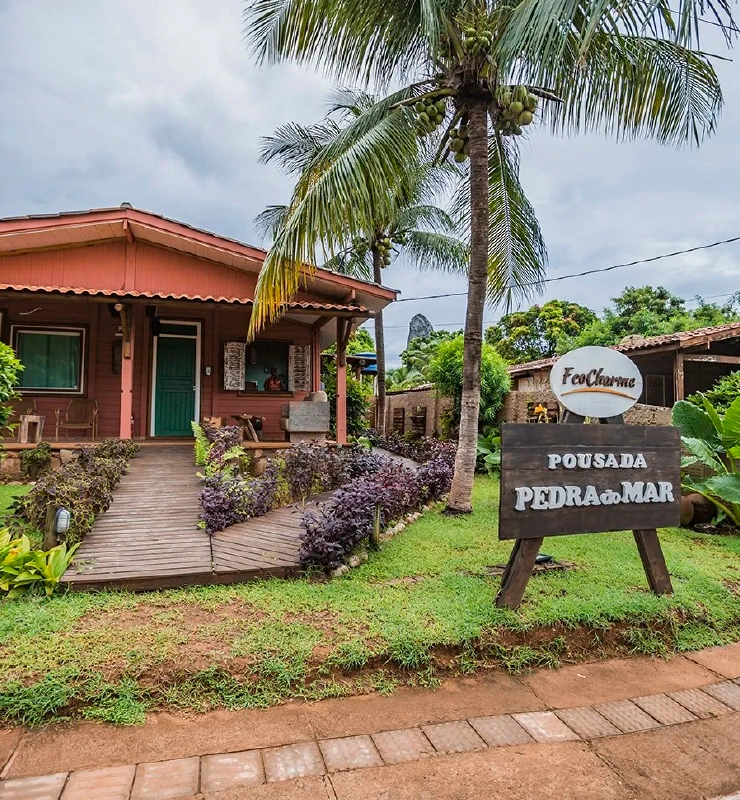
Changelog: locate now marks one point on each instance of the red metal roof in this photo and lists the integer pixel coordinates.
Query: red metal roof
(298, 304)
(726, 331)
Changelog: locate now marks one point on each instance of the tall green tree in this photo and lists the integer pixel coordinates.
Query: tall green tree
(528, 335)
(410, 228)
(628, 68)
(649, 311)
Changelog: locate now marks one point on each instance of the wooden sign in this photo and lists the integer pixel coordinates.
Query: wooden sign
(596, 382)
(563, 479)
(571, 479)
(235, 362)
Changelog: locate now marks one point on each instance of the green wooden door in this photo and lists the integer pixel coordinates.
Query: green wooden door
(174, 396)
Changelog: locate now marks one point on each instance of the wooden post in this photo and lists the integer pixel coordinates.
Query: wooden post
(344, 327)
(50, 536)
(127, 374)
(375, 533)
(678, 376)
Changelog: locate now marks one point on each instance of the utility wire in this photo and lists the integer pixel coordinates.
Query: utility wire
(589, 271)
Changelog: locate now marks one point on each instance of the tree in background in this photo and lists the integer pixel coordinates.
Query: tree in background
(446, 371)
(421, 349)
(402, 378)
(359, 391)
(650, 311)
(480, 71)
(532, 334)
(410, 227)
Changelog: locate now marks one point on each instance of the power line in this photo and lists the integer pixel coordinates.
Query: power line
(589, 271)
(461, 323)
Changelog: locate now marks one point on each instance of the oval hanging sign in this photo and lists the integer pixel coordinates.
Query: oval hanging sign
(596, 382)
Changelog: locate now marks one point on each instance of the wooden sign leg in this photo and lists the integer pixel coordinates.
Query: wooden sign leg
(517, 572)
(653, 561)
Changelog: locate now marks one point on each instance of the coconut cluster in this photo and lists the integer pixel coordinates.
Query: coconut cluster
(460, 143)
(475, 42)
(430, 114)
(383, 247)
(517, 105)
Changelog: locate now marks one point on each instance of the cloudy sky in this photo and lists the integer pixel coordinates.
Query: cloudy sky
(158, 103)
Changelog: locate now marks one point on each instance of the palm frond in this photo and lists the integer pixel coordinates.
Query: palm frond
(629, 86)
(431, 250)
(424, 215)
(341, 194)
(271, 220)
(517, 256)
(293, 146)
(378, 40)
(352, 264)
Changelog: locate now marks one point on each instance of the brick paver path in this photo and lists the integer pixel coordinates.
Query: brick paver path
(185, 777)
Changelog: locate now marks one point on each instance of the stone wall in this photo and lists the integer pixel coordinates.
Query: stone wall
(10, 464)
(410, 401)
(517, 402)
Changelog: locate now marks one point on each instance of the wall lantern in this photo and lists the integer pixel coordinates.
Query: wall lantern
(62, 520)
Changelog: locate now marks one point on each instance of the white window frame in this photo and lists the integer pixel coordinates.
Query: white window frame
(55, 330)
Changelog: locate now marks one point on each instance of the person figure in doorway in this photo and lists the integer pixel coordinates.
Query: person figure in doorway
(274, 383)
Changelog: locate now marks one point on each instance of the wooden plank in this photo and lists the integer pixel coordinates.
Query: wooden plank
(517, 573)
(653, 561)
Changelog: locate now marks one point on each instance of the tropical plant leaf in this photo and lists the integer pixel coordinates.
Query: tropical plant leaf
(703, 452)
(726, 487)
(731, 425)
(694, 423)
(713, 415)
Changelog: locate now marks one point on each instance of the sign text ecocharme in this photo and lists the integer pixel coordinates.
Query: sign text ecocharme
(596, 382)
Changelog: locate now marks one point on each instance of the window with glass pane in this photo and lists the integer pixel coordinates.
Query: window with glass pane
(52, 359)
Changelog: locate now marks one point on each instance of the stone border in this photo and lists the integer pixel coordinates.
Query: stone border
(185, 777)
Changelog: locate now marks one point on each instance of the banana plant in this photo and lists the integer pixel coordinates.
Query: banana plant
(713, 440)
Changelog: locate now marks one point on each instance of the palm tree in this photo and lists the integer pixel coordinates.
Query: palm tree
(403, 377)
(412, 228)
(628, 69)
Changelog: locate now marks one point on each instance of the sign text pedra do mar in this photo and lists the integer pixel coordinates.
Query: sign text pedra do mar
(588, 478)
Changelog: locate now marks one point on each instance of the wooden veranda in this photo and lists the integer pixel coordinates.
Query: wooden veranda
(149, 538)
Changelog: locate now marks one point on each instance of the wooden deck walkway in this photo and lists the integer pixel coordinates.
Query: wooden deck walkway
(149, 539)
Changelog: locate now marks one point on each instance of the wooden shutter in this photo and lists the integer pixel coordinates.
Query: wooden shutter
(299, 368)
(235, 365)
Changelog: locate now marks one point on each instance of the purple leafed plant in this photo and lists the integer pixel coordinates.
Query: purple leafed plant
(338, 526)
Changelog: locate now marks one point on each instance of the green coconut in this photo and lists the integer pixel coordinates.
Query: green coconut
(424, 117)
(521, 93)
(531, 102)
(460, 157)
(441, 106)
(456, 145)
(516, 108)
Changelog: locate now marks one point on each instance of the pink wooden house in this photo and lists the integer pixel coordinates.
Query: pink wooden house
(145, 318)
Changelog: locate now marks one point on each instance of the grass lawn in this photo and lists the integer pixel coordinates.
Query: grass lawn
(419, 610)
(8, 494)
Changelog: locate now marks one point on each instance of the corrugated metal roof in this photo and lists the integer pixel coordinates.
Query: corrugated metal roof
(715, 331)
(297, 304)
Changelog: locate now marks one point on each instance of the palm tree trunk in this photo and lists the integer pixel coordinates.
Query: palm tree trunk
(379, 350)
(462, 483)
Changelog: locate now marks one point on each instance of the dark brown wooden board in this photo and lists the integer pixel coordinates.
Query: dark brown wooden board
(524, 463)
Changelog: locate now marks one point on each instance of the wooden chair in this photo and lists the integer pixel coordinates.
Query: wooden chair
(80, 414)
(21, 408)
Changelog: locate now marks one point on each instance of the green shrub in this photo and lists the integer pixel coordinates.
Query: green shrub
(10, 369)
(446, 372)
(721, 394)
(84, 486)
(36, 461)
(714, 441)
